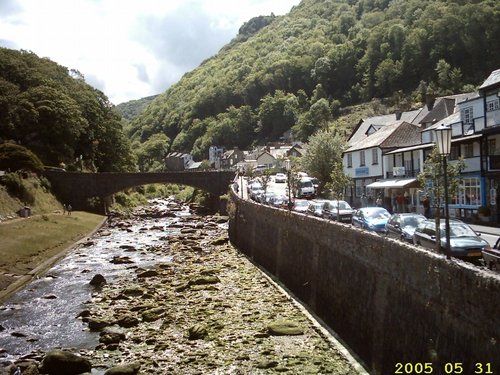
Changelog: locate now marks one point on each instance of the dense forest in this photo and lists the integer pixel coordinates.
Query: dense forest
(300, 70)
(51, 111)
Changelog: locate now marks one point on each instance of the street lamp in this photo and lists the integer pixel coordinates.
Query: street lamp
(241, 170)
(443, 141)
(288, 167)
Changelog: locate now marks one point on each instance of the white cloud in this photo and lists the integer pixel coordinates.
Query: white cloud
(128, 49)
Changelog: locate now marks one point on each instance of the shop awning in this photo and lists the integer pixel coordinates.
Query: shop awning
(394, 183)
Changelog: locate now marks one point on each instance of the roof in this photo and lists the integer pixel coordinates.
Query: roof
(361, 129)
(493, 79)
(398, 134)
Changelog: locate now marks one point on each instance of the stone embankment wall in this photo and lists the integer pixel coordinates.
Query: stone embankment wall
(392, 303)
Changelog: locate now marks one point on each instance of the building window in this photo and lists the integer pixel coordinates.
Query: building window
(454, 152)
(349, 160)
(493, 105)
(492, 147)
(467, 116)
(469, 192)
(374, 156)
(469, 150)
(362, 158)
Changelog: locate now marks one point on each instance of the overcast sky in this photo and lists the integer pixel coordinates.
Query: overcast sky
(128, 49)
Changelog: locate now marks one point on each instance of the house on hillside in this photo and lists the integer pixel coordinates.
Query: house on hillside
(177, 161)
(230, 158)
(266, 159)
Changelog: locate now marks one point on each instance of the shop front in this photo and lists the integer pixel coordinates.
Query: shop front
(398, 195)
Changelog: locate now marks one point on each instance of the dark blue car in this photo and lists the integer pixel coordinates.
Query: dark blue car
(371, 218)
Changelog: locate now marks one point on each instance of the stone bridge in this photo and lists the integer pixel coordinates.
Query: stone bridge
(77, 188)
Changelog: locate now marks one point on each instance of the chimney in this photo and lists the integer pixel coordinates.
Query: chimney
(398, 115)
(429, 101)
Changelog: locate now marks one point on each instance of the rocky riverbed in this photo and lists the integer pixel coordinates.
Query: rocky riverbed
(205, 310)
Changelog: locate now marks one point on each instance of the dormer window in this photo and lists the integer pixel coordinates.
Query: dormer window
(467, 115)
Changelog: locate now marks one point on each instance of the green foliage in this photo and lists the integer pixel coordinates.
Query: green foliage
(339, 181)
(133, 108)
(54, 113)
(432, 176)
(324, 153)
(339, 52)
(15, 157)
(17, 187)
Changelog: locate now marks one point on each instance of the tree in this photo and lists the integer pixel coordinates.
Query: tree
(15, 157)
(324, 150)
(339, 182)
(432, 179)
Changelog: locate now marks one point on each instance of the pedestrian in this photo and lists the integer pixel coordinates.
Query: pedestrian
(64, 209)
(400, 201)
(379, 201)
(363, 200)
(427, 206)
(69, 209)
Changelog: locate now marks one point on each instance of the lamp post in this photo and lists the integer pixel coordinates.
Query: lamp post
(242, 170)
(443, 141)
(288, 167)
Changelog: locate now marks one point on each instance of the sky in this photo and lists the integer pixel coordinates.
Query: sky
(128, 49)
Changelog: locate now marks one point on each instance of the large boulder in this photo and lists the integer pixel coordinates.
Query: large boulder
(60, 362)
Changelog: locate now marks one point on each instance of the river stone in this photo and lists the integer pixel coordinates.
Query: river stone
(149, 273)
(133, 291)
(59, 362)
(204, 280)
(97, 324)
(131, 369)
(121, 260)
(220, 240)
(111, 338)
(285, 328)
(98, 280)
(127, 321)
(198, 331)
(152, 314)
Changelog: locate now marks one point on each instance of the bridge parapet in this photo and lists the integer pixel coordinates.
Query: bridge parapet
(77, 187)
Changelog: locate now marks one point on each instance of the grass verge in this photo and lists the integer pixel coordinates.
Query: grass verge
(26, 243)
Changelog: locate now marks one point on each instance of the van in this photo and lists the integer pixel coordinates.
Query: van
(305, 188)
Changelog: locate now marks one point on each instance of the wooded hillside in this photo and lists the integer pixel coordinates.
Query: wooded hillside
(52, 111)
(296, 71)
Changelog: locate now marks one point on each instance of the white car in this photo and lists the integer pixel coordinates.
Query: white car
(280, 178)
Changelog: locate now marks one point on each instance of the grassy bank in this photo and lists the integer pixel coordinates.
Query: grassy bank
(26, 243)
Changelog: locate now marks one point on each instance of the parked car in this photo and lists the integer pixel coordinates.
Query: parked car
(465, 243)
(279, 200)
(337, 210)
(255, 189)
(280, 178)
(371, 218)
(266, 197)
(300, 205)
(305, 188)
(492, 257)
(402, 226)
(315, 208)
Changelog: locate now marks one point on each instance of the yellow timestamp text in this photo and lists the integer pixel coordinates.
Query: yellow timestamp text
(447, 368)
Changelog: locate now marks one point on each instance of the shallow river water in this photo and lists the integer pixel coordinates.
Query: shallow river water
(42, 314)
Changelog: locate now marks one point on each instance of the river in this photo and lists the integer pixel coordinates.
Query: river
(196, 305)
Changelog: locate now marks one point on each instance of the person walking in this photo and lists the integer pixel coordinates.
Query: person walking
(427, 206)
(69, 209)
(64, 209)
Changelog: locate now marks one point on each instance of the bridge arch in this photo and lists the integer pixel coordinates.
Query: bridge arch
(77, 187)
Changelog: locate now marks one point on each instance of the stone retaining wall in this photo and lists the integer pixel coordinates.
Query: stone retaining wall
(390, 302)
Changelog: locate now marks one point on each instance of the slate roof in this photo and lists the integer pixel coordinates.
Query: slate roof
(359, 133)
(493, 79)
(397, 134)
